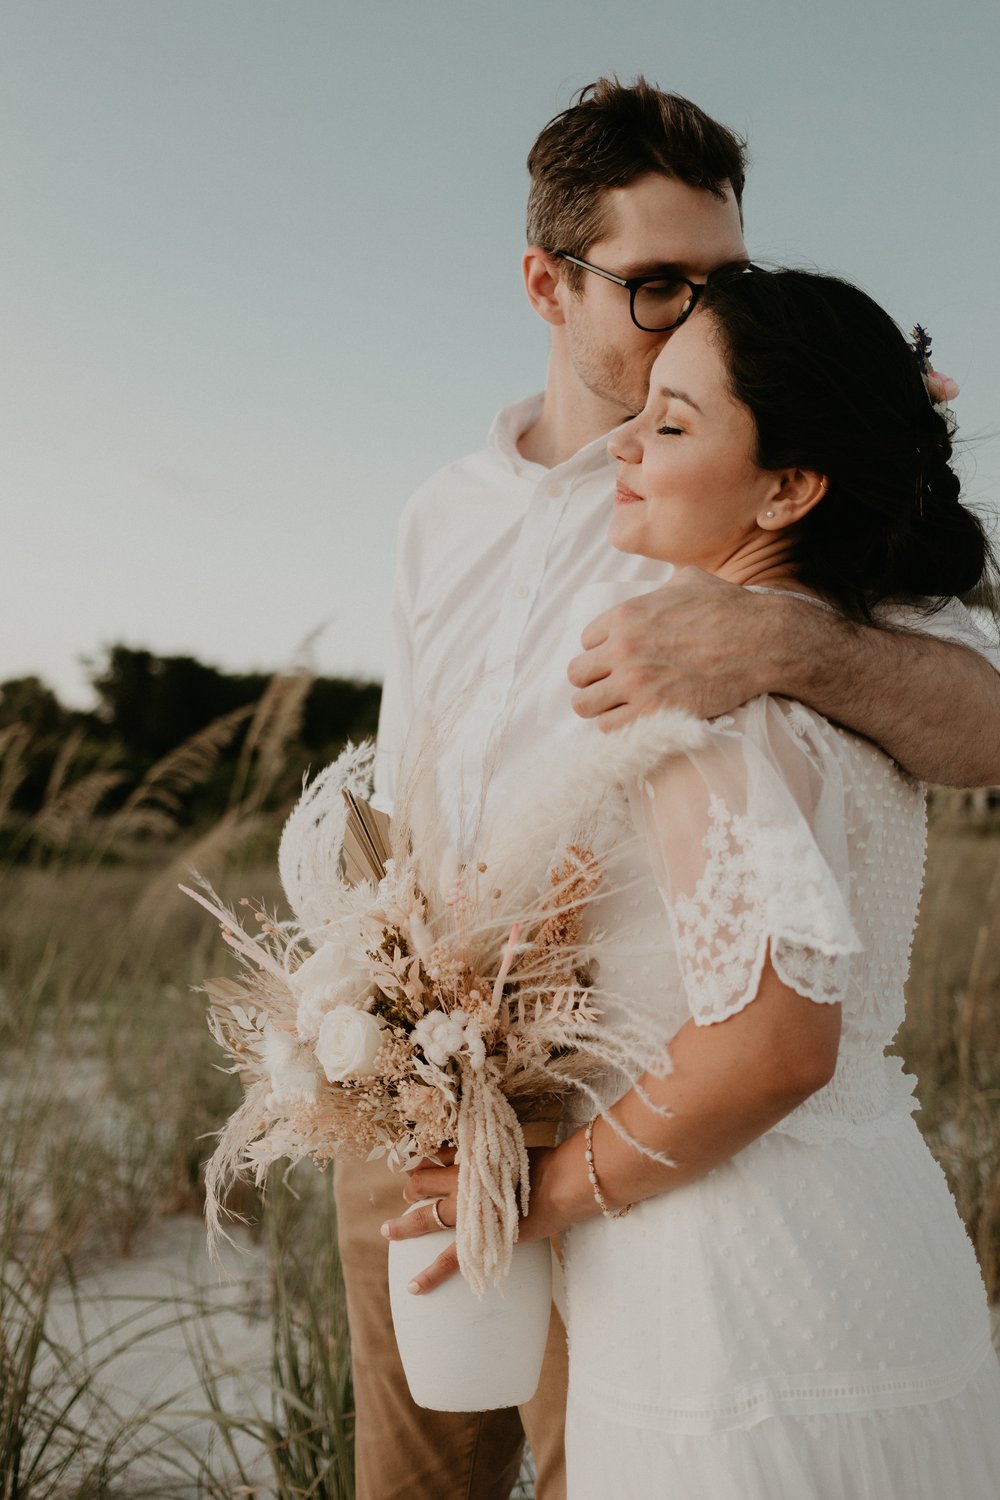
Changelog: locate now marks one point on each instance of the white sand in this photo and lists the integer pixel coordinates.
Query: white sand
(153, 1318)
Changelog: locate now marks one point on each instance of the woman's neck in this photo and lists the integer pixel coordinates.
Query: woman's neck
(768, 557)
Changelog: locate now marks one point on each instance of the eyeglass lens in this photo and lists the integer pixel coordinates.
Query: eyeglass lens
(659, 305)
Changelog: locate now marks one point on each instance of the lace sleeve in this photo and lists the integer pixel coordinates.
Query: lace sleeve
(748, 836)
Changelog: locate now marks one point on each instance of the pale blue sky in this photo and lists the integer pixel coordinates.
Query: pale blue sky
(260, 271)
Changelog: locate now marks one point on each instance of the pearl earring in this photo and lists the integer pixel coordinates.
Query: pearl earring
(769, 514)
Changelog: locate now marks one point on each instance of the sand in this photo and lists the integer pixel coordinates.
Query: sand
(149, 1322)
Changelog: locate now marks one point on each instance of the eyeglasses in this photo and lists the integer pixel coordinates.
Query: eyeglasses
(656, 303)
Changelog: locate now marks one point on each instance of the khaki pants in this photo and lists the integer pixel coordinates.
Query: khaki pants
(404, 1452)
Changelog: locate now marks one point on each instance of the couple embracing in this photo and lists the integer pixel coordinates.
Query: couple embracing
(737, 486)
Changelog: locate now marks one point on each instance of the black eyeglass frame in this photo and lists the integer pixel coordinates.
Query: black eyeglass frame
(634, 284)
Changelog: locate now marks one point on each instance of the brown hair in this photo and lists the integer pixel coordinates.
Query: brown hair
(611, 134)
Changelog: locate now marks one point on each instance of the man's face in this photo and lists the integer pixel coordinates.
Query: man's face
(654, 224)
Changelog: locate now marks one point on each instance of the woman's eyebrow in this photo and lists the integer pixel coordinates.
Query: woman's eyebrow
(665, 390)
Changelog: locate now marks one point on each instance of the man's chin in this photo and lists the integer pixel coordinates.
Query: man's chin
(629, 403)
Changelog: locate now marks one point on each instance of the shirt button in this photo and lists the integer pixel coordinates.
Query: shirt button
(554, 489)
(521, 592)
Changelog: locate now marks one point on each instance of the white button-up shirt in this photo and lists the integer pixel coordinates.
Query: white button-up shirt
(501, 563)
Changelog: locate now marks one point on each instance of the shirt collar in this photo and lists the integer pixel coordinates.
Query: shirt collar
(507, 427)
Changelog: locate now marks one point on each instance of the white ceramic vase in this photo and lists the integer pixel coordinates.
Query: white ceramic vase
(461, 1353)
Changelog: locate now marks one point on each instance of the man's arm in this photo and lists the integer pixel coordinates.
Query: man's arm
(707, 646)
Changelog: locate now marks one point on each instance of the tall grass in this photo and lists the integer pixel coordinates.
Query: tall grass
(297, 1423)
(109, 1084)
(951, 1037)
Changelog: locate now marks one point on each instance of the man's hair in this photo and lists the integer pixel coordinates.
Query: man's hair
(611, 134)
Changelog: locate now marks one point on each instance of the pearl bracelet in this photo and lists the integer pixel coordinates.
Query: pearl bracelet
(588, 1135)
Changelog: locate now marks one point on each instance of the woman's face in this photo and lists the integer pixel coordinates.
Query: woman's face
(689, 490)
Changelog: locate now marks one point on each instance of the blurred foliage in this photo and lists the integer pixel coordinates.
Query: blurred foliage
(146, 708)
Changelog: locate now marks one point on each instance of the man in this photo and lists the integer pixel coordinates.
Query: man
(503, 561)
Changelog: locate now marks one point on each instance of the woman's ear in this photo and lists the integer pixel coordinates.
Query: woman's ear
(541, 282)
(793, 495)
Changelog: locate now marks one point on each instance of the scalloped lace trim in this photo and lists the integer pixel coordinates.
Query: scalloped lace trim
(799, 975)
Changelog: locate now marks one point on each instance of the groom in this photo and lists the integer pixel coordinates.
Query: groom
(503, 561)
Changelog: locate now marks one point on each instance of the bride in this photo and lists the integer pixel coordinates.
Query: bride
(770, 1291)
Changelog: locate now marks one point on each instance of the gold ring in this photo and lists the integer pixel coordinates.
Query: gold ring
(437, 1217)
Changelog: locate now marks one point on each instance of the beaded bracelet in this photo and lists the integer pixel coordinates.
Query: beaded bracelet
(588, 1135)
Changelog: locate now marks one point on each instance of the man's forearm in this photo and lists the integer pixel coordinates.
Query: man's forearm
(707, 645)
(932, 705)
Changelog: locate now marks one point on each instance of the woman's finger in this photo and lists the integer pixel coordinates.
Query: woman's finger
(439, 1270)
(421, 1221)
(430, 1182)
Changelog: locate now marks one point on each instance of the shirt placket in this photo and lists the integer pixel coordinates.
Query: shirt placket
(525, 579)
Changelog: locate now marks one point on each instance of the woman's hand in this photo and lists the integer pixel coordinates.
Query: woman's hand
(438, 1181)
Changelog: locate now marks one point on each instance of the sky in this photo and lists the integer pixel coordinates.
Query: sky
(260, 273)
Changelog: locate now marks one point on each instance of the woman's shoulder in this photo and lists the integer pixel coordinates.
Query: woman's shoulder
(776, 720)
(820, 760)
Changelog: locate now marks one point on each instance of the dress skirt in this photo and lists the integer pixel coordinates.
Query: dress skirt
(943, 1450)
(806, 1322)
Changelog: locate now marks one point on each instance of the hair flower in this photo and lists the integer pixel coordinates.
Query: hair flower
(940, 388)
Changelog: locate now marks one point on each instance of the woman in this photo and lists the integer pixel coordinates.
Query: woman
(770, 1290)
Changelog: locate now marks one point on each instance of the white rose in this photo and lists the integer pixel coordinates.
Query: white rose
(324, 980)
(323, 966)
(294, 1078)
(347, 1043)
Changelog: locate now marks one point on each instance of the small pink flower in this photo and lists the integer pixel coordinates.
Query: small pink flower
(941, 388)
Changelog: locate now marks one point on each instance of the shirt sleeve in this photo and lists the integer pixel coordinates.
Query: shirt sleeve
(748, 836)
(396, 709)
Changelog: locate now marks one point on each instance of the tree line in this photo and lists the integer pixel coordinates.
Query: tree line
(147, 707)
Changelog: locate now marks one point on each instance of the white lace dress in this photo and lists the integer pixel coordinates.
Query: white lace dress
(807, 1321)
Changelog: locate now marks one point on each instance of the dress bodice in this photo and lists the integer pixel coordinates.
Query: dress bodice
(782, 833)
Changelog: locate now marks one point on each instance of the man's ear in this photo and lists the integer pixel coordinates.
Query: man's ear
(792, 496)
(541, 282)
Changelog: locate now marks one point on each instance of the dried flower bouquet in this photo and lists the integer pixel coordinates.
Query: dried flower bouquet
(429, 1000)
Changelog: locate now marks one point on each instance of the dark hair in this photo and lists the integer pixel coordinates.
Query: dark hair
(611, 134)
(833, 386)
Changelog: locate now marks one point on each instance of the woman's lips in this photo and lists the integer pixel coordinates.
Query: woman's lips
(624, 496)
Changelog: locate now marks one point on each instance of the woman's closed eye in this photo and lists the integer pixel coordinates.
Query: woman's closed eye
(670, 431)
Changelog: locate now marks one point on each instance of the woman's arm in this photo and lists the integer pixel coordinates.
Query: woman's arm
(730, 1082)
(705, 645)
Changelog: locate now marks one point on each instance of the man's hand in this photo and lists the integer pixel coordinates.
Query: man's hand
(697, 643)
(707, 646)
